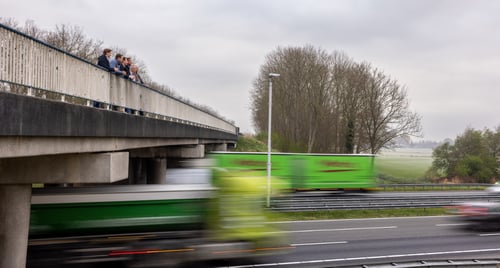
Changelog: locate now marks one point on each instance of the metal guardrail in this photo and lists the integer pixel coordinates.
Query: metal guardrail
(317, 203)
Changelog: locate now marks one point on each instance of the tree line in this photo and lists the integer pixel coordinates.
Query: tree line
(474, 157)
(329, 103)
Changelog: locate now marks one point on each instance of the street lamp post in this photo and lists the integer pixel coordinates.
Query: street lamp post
(271, 75)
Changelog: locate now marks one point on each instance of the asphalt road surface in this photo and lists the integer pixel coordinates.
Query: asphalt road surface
(332, 243)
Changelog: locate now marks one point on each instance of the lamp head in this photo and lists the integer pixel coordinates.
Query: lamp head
(273, 75)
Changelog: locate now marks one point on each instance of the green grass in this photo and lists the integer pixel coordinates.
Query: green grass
(250, 144)
(403, 165)
(356, 214)
(403, 168)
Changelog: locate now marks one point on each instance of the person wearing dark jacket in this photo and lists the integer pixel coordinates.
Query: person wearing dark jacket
(103, 60)
(124, 67)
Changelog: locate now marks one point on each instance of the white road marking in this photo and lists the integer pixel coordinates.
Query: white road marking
(450, 224)
(491, 234)
(319, 243)
(371, 257)
(337, 230)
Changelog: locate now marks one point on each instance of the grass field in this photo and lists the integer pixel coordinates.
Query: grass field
(356, 214)
(404, 165)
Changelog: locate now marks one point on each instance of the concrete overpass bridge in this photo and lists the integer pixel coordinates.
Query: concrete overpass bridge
(51, 133)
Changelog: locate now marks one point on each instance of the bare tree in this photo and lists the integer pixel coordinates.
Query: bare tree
(329, 103)
(31, 29)
(73, 40)
(347, 81)
(10, 22)
(299, 96)
(386, 115)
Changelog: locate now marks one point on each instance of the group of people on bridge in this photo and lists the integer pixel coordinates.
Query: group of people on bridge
(120, 65)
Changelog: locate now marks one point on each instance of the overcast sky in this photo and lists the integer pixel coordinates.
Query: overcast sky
(447, 53)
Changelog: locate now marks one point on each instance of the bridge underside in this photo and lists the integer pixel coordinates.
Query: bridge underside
(36, 146)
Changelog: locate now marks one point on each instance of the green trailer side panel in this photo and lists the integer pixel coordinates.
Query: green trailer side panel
(116, 217)
(307, 171)
(339, 172)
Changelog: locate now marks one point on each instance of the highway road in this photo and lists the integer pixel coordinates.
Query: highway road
(333, 243)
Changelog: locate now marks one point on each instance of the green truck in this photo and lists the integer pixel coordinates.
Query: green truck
(300, 171)
(152, 225)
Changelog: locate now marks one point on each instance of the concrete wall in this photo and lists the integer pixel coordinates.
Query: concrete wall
(128, 94)
(31, 63)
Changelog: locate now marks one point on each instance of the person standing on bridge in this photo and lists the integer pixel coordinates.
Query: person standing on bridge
(134, 74)
(129, 64)
(124, 67)
(104, 59)
(116, 63)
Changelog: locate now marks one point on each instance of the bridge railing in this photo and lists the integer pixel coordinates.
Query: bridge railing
(28, 62)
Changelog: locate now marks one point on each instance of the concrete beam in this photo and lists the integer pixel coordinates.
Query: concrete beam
(15, 201)
(153, 152)
(22, 115)
(219, 147)
(74, 168)
(211, 145)
(197, 151)
(11, 147)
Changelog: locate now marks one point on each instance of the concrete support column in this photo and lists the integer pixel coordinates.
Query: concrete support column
(137, 173)
(157, 171)
(222, 147)
(15, 202)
